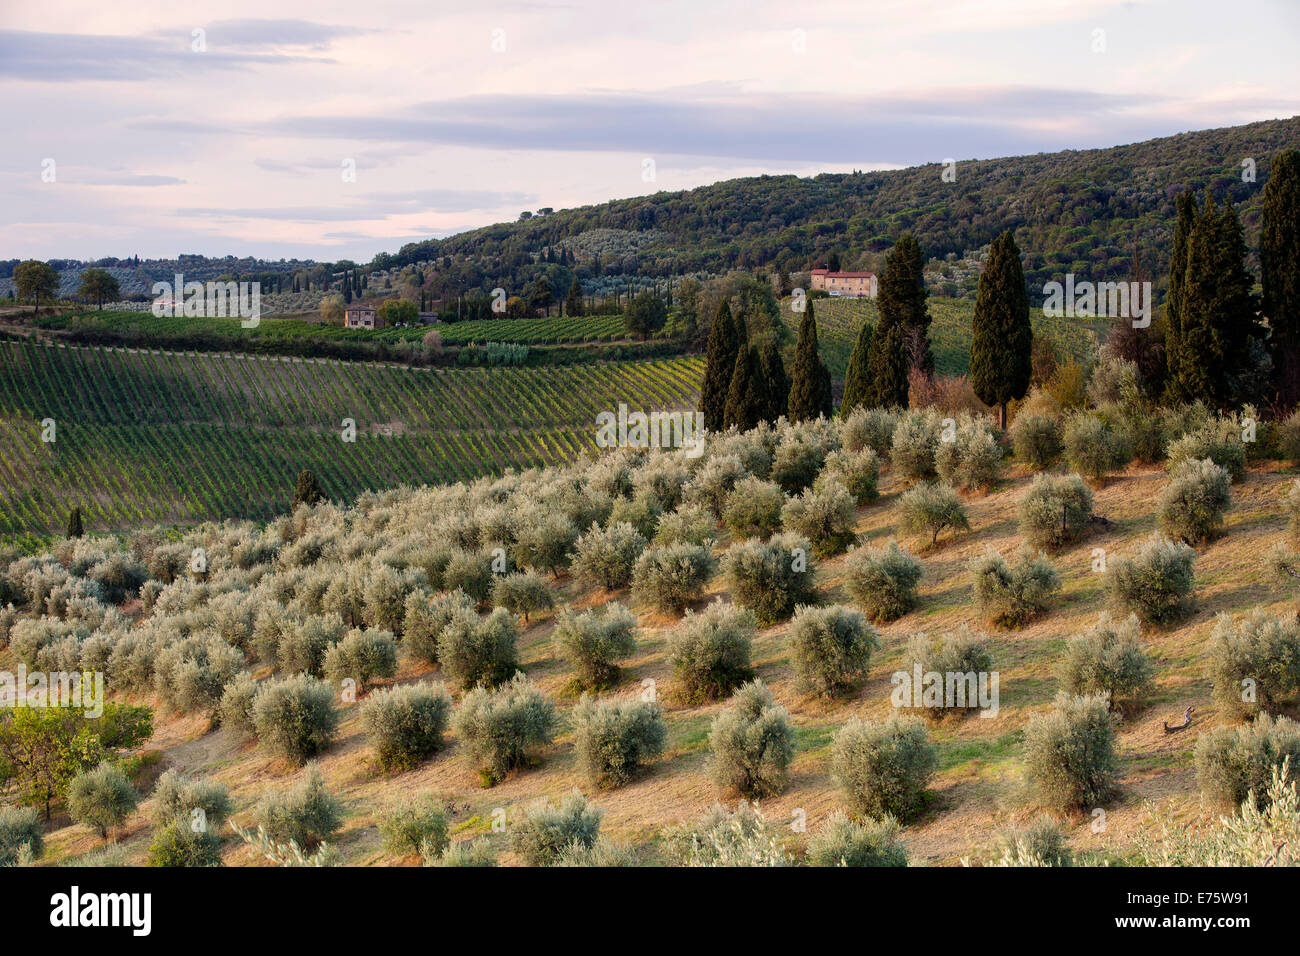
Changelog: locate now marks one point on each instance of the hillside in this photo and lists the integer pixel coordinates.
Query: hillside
(1085, 211)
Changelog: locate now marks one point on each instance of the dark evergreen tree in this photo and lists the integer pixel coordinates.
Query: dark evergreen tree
(810, 386)
(887, 369)
(1279, 267)
(719, 364)
(1220, 353)
(1174, 299)
(573, 301)
(1002, 340)
(744, 395)
(774, 383)
(75, 529)
(902, 300)
(856, 380)
(308, 490)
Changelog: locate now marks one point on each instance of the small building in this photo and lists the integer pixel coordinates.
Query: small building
(427, 318)
(855, 284)
(360, 317)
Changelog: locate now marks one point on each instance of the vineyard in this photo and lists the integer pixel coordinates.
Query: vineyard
(950, 331)
(144, 437)
(560, 330)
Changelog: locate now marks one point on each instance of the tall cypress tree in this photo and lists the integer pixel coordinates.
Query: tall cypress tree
(1218, 361)
(75, 528)
(856, 381)
(743, 398)
(902, 301)
(776, 383)
(887, 369)
(573, 301)
(719, 364)
(810, 387)
(1279, 268)
(1174, 300)
(1002, 340)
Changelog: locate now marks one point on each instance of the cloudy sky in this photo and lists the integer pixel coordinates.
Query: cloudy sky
(230, 128)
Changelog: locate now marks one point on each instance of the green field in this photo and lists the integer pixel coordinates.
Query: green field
(560, 330)
(838, 321)
(147, 437)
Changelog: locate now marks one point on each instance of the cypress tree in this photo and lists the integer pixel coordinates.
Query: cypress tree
(719, 364)
(1218, 313)
(856, 382)
(810, 387)
(75, 529)
(1002, 340)
(902, 301)
(1279, 268)
(308, 490)
(1174, 300)
(743, 396)
(573, 301)
(775, 382)
(887, 370)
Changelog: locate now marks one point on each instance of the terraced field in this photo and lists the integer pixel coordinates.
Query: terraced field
(950, 331)
(144, 437)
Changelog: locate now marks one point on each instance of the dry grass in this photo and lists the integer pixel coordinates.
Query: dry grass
(979, 788)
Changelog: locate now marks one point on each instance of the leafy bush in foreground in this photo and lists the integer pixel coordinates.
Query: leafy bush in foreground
(1070, 752)
(547, 830)
(752, 742)
(405, 724)
(499, 728)
(594, 641)
(710, 651)
(830, 648)
(613, 739)
(883, 583)
(1156, 582)
(883, 768)
(1233, 762)
(771, 578)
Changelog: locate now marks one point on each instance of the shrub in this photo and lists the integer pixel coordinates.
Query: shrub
(295, 717)
(479, 650)
(190, 674)
(101, 798)
(469, 572)
(754, 509)
(662, 479)
(405, 724)
(547, 830)
(613, 739)
(1254, 663)
(931, 509)
(1232, 762)
(303, 647)
(1042, 843)
(362, 656)
(176, 843)
(1193, 503)
(604, 557)
(1036, 439)
(237, 706)
(883, 768)
(594, 641)
(1107, 659)
(858, 472)
(958, 659)
(1288, 438)
(671, 577)
(415, 825)
(1291, 505)
(710, 651)
(642, 513)
(969, 457)
(753, 743)
(914, 445)
(1212, 441)
(1070, 752)
(825, 516)
(689, 524)
(843, 842)
(831, 649)
(306, 815)
(199, 803)
(19, 827)
(1056, 510)
(1093, 447)
(464, 853)
(714, 482)
(544, 542)
(1156, 582)
(883, 583)
(871, 428)
(770, 579)
(743, 838)
(1013, 595)
(427, 616)
(385, 594)
(603, 853)
(499, 727)
(797, 462)
(523, 592)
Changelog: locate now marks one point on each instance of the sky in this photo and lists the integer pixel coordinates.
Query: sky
(283, 129)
